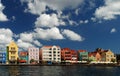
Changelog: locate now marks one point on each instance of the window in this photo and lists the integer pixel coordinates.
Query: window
(54, 51)
(12, 57)
(50, 49)
(12, 52)
(54, 48)
(12, 48)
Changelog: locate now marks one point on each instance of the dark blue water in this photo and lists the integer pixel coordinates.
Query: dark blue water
(59, 71)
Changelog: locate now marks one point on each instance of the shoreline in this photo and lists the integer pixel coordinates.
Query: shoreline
(101, 65)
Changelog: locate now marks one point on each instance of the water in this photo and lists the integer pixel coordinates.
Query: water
(59, 71)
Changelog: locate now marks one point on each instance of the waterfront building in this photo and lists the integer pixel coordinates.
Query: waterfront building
(66, 54)
(108, 56)
(12, 52)
(91, 57)
(74, 56)
(33, 55)
(97, 56)
(2, 57)
(50, 54)
(82, 55)
(23, 57)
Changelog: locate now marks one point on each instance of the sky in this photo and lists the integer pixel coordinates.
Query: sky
(78, 24)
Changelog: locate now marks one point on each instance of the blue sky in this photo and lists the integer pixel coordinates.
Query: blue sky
(78, 24)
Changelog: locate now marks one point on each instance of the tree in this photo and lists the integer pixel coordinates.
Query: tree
(32, 60)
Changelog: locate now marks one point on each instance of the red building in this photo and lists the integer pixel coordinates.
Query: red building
(68, 55)
(74, 55)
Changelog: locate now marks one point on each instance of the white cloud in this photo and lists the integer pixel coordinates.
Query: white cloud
(37, 43)
(84, 21)
(27, 37)
(109, 11)
(39, 6)
(3, 17)
(72, 35)
(71, 22)
(23, 44)
(26, 40)
(5, 37)
(46, 20)
(48, 34)
(113, 30)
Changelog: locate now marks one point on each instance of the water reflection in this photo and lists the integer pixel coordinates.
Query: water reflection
(59, 71)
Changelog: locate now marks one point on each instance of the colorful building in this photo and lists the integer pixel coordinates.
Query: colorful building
(12, 52)
(91, 57)
(82, 55)
(33, 55)
(66, 54)
(97, 56)
(2, 57)
(23, 57)
(74, 56)
(108, 56)
(50, 54)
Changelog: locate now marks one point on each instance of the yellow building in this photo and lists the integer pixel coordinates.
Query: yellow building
(108, 56)
(12, 52)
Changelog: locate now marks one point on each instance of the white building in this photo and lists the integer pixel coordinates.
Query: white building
(50, 53)
(33, 53)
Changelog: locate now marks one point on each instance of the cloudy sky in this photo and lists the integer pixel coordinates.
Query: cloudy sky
(78, 24)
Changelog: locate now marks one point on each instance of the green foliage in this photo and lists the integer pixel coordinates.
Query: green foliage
(32, 60)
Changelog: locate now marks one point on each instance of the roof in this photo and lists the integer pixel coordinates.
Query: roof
(23, 53)
(65, 49)
(81, 50)
(50, 46)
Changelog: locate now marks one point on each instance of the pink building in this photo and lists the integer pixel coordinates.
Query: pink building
(33, 54)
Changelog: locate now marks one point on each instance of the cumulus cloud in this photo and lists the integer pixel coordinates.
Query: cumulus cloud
(46, 20)
(39, 6)
(26, 40)
(109, 11)
(28, 37)
(48, 34)
(5, 37)
(3, 17)
(113, 30)
(23, 44)
(72, 35)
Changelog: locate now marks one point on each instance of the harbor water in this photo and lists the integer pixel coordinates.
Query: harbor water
(59, 71)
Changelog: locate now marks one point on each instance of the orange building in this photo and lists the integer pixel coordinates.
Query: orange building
(74, 55)
(69, 55)
(66, 54)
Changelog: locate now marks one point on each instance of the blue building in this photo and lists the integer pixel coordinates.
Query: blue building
(83, 55)
(2, 57)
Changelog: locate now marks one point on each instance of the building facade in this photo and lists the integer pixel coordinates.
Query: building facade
(91, 57)
(23, 57)
(33, 55)
(108, 56)
(2, 57)
(74, 56)
(66, 54)
(50, 54)
(82, 55)
(12, 52)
